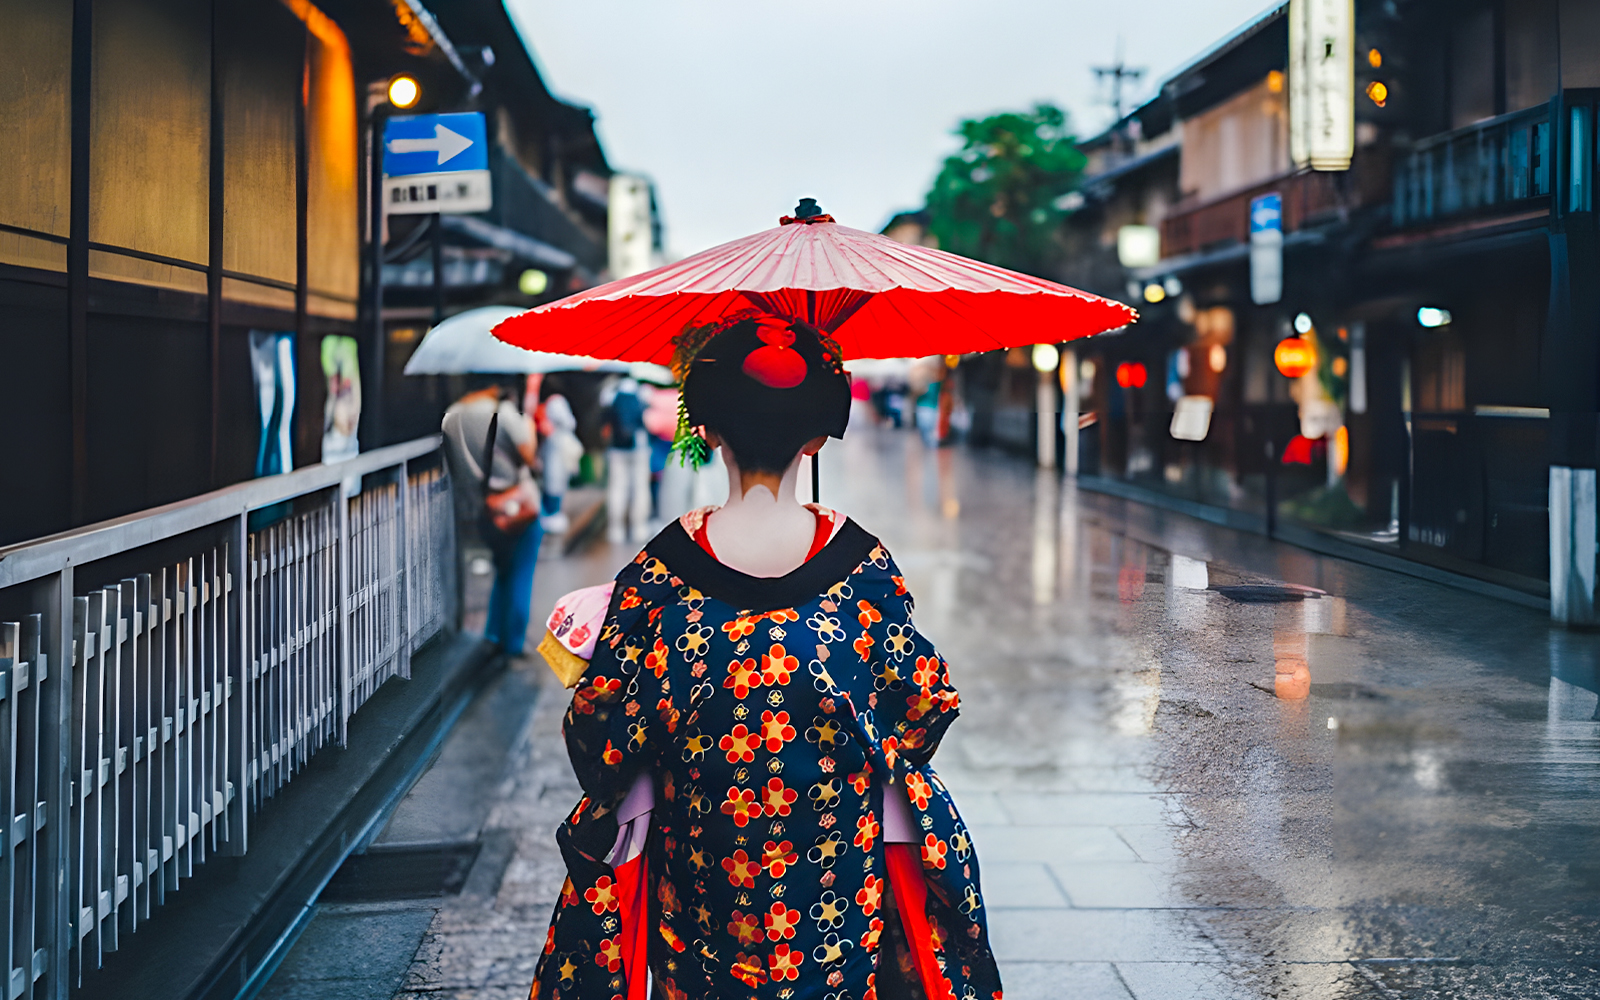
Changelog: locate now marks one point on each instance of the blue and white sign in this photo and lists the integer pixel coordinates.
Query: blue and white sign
(1266, 214)
(1266, 249)
(436, 163)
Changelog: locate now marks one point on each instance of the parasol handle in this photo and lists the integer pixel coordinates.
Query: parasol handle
(816, 480)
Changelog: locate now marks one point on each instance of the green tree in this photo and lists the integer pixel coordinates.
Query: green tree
(998, 200)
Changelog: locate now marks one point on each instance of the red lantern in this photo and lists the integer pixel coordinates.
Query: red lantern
(1131, 375)
(1294, 356)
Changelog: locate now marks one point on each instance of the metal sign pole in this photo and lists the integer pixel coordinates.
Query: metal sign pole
(438, 268)
(373, 383)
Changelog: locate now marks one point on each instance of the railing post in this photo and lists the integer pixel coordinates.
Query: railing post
(57, 711)
(402, 569)
(342, 520)
(237, 676)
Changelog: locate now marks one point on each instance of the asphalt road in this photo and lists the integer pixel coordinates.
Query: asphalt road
(1390, 790)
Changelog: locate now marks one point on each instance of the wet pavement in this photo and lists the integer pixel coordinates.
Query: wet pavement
(1390, 788)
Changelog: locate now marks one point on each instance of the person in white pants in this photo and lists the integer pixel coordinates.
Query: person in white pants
(627, 467)
(559, 452)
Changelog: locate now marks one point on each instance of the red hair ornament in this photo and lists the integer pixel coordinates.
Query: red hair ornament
(777, 365)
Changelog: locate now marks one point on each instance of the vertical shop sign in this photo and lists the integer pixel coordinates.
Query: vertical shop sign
(1266, 249)
(341, 414)
(1322, 81)
(272, 365)
(630, 235)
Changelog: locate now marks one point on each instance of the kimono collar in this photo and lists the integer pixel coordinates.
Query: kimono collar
(811, 579)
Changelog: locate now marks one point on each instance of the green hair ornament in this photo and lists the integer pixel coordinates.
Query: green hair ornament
(688, 445)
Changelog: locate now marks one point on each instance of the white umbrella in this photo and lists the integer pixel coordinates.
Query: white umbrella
(878, 369)
(463, 345)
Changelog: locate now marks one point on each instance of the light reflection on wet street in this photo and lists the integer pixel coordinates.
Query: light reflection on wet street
(1186, 782)
(1184, 779)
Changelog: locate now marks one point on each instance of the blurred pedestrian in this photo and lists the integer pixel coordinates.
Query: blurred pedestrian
(502, 501)
(559, 453)
(927, 382)
(627, 464)
(661, 423)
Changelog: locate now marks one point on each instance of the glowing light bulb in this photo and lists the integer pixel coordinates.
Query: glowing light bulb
(404, 91)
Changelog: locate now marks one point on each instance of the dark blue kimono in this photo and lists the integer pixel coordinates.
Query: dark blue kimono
(770, 713)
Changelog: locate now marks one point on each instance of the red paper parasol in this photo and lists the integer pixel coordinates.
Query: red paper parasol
(876, 297)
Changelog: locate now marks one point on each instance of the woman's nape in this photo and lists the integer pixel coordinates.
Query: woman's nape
(763, 530)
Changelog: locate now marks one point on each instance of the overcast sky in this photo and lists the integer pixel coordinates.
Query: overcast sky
(736, 108)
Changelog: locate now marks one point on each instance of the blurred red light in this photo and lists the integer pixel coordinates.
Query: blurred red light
(1131, 375)
(1294, 356)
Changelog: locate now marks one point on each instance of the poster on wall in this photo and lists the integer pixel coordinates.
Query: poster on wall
(272, 365)
(341, 415)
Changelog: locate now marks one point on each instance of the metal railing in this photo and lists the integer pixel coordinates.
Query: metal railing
(162, 675)
(1500, 162)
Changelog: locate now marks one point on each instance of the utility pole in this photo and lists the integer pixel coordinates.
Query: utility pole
(1117, 73)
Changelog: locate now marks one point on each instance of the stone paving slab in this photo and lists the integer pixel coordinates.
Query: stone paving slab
(1077, 980)
(1020, 884)
(351, 953)
(1048, 843)
(1063, 935)
(1084, 808)
(1116, 884)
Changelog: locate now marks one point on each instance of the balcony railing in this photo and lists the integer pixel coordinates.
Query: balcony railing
(1494, 164)
(1191, 227)
(164, 674)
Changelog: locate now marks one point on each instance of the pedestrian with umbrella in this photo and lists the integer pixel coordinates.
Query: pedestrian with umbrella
(756, 712)
(493, 452)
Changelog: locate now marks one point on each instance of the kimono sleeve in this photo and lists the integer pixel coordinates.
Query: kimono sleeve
(916, 701)
(619, 704)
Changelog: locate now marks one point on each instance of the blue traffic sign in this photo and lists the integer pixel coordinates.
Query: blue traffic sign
(432, 144)
(1266, 213)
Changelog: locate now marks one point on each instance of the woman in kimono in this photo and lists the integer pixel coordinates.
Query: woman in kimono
(753, 728)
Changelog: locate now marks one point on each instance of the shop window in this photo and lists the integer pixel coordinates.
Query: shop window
(262, 47)
(333, 238)
(35, 191)
(1580, 171)
(150, 111)
(1439, 375)
(1539, 158)
(1517, 164)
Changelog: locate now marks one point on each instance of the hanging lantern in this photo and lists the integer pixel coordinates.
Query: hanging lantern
(1131, 375)
(1294, 356)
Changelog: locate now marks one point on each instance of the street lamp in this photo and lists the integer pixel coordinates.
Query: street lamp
(1045, 359)
(404, 91)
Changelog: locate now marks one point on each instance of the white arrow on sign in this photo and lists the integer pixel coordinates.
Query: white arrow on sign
(446, 143)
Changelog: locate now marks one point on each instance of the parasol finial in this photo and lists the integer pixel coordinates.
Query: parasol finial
(807, 211)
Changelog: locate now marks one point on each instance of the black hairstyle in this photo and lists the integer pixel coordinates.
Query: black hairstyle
(764, 424)
(508, 385)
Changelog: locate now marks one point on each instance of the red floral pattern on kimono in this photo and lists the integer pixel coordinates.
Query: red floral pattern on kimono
(769, 712)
